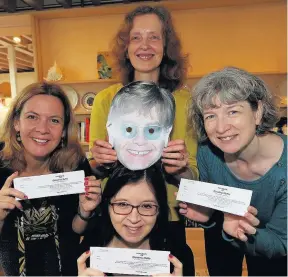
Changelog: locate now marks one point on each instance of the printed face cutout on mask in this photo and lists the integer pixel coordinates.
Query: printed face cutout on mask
(137, 137)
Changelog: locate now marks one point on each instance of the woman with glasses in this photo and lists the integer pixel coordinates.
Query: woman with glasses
(134, 214)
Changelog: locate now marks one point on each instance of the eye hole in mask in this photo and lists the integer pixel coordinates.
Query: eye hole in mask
(150, 132)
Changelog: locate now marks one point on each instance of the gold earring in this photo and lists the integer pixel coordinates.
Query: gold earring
(18, 137)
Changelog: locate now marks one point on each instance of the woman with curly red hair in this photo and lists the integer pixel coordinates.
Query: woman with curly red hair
(147, 48)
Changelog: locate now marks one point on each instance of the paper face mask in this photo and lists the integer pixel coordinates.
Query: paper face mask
(138, 139)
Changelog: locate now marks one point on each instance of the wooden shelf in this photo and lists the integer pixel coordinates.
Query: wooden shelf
(84, 143)
(82, 113)
(190, 76)
(64, 82)
(195, 76)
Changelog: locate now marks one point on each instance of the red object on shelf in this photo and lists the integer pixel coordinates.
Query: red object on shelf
(87, 126)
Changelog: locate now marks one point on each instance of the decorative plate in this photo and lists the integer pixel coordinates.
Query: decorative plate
(87, 100)
(71, 94)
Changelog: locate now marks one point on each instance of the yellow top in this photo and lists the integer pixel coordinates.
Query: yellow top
(98, 120)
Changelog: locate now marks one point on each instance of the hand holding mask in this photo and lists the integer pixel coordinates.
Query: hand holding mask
(139, 123)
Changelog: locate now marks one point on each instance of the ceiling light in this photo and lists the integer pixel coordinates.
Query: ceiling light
(16, 39)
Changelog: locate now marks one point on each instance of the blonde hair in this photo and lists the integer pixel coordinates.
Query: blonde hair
(62, 159)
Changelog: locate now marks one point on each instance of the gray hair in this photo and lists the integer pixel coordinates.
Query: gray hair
(142, 97)
(231, 85)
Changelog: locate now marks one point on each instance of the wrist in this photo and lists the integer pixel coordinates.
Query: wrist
(227, 237)
(85, 215)
(83, 212)
(186, 173)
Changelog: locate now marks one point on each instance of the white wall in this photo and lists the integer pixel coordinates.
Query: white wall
(23, 79)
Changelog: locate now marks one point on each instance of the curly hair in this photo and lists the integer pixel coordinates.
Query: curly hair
(64, 158)
(173, 67)
(231, 85)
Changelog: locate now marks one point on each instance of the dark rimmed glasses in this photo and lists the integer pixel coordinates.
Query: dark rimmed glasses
(145, 209)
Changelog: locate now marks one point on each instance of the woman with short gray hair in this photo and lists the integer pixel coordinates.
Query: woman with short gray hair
(233, 113)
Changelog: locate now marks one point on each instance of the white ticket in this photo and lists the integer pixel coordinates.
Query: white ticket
(129, 261)
(227, 199)
(51, 184)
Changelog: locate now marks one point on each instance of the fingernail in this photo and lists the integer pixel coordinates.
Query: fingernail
(86, 189)
(170, 256)
(85, 183)
(86, 194)
(88, 251)
(86, 178)
(25, 196)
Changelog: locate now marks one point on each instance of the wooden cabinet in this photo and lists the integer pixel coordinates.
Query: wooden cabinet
(195, 240)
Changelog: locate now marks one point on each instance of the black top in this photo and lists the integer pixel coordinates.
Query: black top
(181, 251)
(41, 254)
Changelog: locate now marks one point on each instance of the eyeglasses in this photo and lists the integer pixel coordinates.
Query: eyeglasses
(145, 209)
(150, 132)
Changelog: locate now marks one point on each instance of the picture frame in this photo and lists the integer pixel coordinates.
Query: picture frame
(105, 65)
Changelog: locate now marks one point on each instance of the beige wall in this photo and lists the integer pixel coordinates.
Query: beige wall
(74, 42)
(23, 79)
(15, 25)
(252, 37)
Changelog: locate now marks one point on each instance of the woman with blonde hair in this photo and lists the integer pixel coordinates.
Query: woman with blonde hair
(39, 137)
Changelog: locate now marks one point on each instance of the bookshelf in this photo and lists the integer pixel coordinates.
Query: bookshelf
(82, 114)
(96, 81)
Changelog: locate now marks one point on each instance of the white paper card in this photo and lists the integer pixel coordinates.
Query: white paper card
(129, 261)
(51, 184)
(218, 197)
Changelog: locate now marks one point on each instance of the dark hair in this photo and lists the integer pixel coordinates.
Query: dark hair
(281, 123)
(64, 158)
(173, 66)
(120, 178)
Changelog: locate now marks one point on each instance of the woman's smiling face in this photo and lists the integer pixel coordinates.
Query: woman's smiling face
(231, 127)
(40, 124)
(146, 45)
(134, 228)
